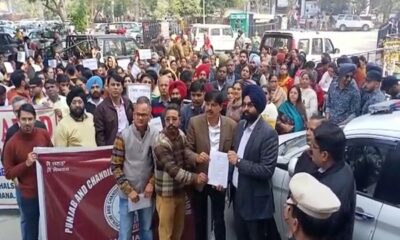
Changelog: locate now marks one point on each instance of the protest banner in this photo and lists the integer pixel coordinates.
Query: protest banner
(144, 54)
(78, 195)
(136, 91)
(7, 188)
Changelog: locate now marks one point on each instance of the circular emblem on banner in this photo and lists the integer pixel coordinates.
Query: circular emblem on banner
(111, 208)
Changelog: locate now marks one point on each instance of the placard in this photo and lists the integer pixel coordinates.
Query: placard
(9, 67)
(90, 63)
(52, 63)
(124, 63)
(136, 91)
(21, 57)
(144, 54)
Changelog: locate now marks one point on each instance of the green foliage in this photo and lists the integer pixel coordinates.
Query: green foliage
(79, 16)
(184, 8)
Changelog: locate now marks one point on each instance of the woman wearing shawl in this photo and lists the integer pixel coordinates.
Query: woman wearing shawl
(234, 109)
(284, 80)
(278, 95)
(207, 47)
(291, 114)
(245, 75)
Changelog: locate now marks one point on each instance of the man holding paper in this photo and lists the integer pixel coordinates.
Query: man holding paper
(254, 160)
(210, 133)
(133, 168)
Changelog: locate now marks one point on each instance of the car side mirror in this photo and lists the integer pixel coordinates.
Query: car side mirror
(337, 50)
(292, 166)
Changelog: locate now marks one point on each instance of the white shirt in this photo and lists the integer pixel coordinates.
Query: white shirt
(242, 146)
(122, 118)
(326, 81)
(310, 101)
(214, 133)
(90, 100)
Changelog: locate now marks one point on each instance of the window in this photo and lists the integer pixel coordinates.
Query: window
(367, 158)
(316, 46)
(115, 48)
(203, 30)
(349, 18)
(328, 46)
(357, 18)
(215, 32)
(227, 32)
(304, 46)
(130, 46)
(3, 39)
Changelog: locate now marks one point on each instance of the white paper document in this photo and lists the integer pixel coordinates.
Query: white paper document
(136, 91)
(142, 203)
(144, 54)
(52, 63)
(9, 67)
(156, 123)
(218, 169)
(90, 63)
(21, 57)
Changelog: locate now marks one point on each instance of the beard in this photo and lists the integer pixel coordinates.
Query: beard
(176, 101)
(95, 95)
(249, 117)
(172, 131)
(77, 112)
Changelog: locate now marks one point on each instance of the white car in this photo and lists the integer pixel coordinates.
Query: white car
(221, 36)
(352, 22)
(373, 152)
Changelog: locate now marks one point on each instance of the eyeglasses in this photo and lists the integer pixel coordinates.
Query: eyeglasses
(349, 76)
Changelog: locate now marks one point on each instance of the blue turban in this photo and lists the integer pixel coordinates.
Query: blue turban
(257, 96)
(346, 68)
(94, 80)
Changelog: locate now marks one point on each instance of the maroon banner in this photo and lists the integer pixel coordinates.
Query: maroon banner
(79, 197)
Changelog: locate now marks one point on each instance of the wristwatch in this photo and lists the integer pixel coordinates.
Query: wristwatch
(238, 161)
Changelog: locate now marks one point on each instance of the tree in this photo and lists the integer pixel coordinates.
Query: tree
(55, 6)
(184, 8)
(79, 16)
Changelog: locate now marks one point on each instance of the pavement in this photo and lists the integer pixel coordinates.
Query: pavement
(9, 225)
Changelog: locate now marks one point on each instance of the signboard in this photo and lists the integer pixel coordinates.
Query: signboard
(7, 188)
(136, 91)
(86, 205)
(90, 63)
(124, 63)
(392, 57)
(144, 54)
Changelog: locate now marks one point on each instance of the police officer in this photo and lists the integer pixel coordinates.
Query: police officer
(371, 92)
(309, 208)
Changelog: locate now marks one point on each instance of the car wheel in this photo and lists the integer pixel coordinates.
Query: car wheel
(342, 28)
(365, 28)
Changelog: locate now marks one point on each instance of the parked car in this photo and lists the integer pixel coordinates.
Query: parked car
(352, 22)
(117, 46)
(311, 44)
(221, 36)
(8, 45)
(373, 152)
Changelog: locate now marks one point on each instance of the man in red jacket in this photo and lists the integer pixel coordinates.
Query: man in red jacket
(19, 163)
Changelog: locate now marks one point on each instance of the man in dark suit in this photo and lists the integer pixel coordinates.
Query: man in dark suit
(210, 132)
(254, 160)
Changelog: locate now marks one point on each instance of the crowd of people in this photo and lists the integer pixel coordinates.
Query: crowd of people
(237, 103)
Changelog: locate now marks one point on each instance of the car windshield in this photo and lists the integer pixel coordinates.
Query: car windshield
(293, 144)
(278, 41)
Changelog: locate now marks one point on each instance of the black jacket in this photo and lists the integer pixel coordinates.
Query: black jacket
(339, 178)
(13, 130)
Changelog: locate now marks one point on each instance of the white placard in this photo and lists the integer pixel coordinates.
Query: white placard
(90, 63)
(31, 53)
(124, 63)
(141, 204)
(135, 70)
(156, 123)
(218, 169)
(52, 63)
(21, 57)
(9, 67)
(144, 54)
(136, 91)
(36, 67)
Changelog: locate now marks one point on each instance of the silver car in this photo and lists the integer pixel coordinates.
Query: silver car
(373, 152)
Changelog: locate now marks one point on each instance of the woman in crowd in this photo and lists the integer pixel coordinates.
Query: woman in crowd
(308, 95)
(270, 113)
(284, 80)
(149, 80)
(327, 77)
(39, 61)
(245, 75)
(278, 95)
(360, 73)
(291, 114)
(127, 81)
(163, 63)
(170, 74)
(230, 94)
(111, 63)
(234, 109)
